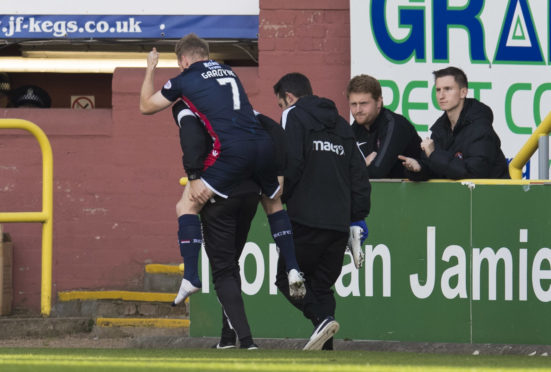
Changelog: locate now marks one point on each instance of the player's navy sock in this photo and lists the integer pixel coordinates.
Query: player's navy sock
(280, 225)
(190, 240)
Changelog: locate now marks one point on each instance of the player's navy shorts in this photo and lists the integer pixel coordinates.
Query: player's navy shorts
(254, 159)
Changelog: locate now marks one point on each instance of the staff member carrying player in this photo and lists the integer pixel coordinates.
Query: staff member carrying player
(241, 149)
(226, 224)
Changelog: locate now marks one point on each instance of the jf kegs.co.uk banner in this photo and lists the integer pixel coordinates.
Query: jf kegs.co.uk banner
(127, 26)
(134, 19)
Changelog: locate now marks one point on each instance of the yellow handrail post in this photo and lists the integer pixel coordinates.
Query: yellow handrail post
(515, 166)
(47, 226)
(46, 215)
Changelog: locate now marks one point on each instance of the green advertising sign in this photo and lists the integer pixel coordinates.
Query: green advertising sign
(445, 262)
(512, 237)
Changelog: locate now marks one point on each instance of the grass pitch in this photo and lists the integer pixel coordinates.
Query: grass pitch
(87, 360)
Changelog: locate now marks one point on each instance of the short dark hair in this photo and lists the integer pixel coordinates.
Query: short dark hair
(459, 76)
(294, 83)
(364, 84)
(191, 44)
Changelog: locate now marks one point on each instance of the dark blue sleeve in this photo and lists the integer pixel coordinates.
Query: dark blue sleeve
(171, 90)
(194, 140)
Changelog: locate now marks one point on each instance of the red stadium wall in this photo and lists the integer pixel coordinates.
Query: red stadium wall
(309, 36)
(116, 171)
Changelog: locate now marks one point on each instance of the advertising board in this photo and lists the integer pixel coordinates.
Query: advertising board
(503, 47)
(445, 262)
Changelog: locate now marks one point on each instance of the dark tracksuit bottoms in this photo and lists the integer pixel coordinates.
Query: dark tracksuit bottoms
(226, 224)
(320, 255)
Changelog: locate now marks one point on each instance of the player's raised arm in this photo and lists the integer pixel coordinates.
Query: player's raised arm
(151, 101)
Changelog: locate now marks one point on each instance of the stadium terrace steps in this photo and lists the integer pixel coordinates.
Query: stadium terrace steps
(120, 312)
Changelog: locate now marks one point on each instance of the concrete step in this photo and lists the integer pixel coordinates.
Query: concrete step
(96, 304)
(141, 327)
(143, 322)
(163, 278)
(165, 269)
(39, 327)
(11, 328)
(117, 295)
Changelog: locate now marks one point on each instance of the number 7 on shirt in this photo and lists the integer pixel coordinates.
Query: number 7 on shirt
(234, 90)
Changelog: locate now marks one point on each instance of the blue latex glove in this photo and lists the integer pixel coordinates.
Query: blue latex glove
(363, 225)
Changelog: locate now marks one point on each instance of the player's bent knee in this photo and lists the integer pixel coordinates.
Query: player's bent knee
(186, 206)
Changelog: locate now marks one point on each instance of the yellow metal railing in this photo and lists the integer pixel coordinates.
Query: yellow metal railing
(45, 216)
(515, 166)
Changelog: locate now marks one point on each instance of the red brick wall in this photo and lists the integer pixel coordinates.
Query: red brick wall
(116, 171)
(115, 185)
(307, 36)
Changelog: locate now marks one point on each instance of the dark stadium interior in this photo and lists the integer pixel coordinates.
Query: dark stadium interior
(61, 85)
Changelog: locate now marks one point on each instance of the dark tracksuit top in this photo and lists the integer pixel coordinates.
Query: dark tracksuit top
(326, 180)
(471, 150)
(390, 135)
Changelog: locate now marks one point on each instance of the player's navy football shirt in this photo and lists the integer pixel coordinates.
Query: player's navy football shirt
(215, 94)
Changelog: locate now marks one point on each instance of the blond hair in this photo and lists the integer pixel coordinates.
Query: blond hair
(364, 84)
(193, 46)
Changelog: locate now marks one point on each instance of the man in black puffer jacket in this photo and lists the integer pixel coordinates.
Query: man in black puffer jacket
(381, 134)
(463, 143)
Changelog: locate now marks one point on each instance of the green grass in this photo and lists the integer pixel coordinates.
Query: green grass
(86, 360)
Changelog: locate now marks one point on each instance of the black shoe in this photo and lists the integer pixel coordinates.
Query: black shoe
(223, 344)
(328, 344)
(252, 346)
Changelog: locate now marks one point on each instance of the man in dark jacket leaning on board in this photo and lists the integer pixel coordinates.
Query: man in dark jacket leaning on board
(463, 143)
